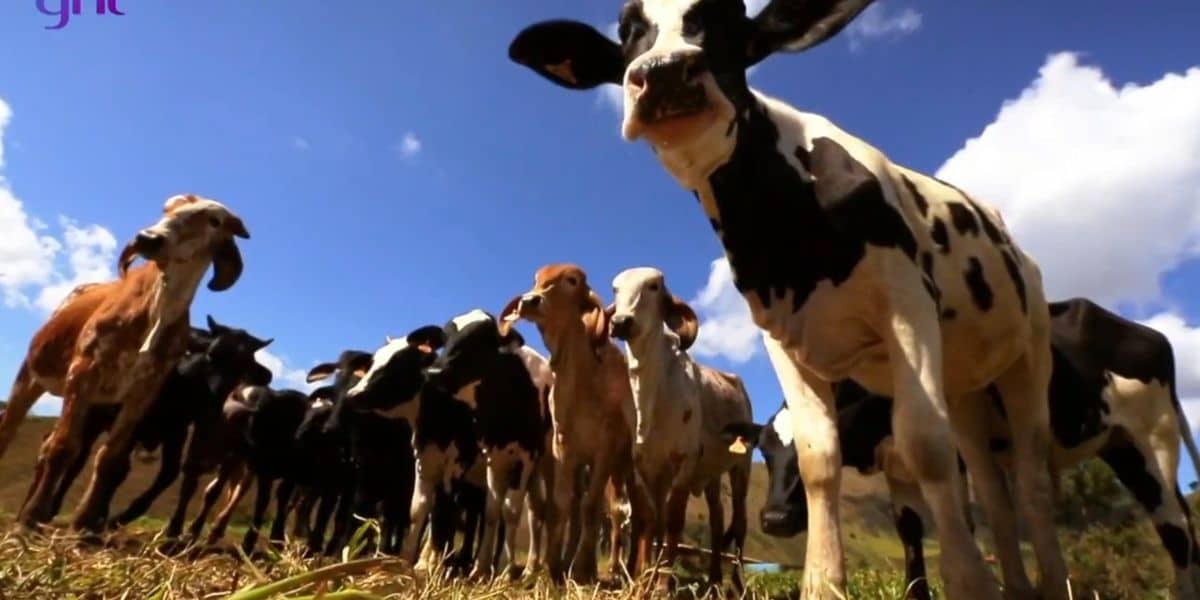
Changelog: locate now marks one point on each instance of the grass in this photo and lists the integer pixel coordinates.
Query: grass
(131, 564)
(1117, 560)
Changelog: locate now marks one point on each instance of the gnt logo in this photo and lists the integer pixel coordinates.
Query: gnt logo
(66, 8)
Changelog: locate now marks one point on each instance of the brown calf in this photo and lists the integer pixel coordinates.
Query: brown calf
(115, 343)
(591, 407)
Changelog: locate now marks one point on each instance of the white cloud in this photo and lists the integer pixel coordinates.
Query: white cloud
(725, 326)
(47, 406)
(30, 274)
(91, 251)
(409, 146)
(301, 143)
(1185, 341)
(753, 7)
(611, 95)
(1100, 184)
(879, 22)
(283, 375)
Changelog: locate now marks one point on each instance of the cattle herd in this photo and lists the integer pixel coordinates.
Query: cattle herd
(909, 332)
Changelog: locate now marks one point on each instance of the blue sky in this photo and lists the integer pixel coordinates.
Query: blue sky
(395, 169)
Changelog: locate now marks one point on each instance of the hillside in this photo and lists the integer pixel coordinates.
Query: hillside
(870, 539)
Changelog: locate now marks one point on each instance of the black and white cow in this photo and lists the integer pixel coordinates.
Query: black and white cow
(480, 366)
(854, 266)
(327, 480)
(476, 402)
(1112, 395)
(382, 474)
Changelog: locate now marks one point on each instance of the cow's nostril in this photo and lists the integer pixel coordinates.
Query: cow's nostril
(637, 78)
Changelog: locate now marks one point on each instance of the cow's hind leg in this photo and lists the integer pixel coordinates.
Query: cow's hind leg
(91, 431)
(59, 451)
(1023, 389)
(972, 415)
(25, 392)
(923, 438)
(1141, 472)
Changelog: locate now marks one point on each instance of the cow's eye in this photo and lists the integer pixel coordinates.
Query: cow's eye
(214, 221)
(692, 27)
(653, 287)
(572, 281)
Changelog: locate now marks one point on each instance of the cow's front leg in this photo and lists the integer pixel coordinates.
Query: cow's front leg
(562, 491)
(716, 531)
(514, 502)
(583, 567)
(810, 402)
(112, 460)
(497, 484)
(923, 437)
(58, 451)
(422, 502)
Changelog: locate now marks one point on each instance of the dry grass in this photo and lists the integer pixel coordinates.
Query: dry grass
(133, 565)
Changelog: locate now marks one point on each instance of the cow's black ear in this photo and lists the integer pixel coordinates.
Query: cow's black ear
(512, 338)
(321, 371)
(795, 25)
(569, 53)
(429, 338)
(746, 433)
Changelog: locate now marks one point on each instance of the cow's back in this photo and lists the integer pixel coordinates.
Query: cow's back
(53, 345)
(723, 401)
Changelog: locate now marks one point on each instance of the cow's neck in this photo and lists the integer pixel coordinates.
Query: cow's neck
(575, 366)
(757, 191)
(651, 358)
(171, 296)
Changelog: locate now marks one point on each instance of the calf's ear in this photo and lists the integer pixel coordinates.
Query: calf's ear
(568, 53)
(682, 320)
(321, 371)
(742, 436)
(429, 338)
(508, 316)
(595, 319)
(511, 337)
(795, 25)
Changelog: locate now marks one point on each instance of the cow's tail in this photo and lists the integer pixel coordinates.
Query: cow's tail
(1185, 432)
(25, 391)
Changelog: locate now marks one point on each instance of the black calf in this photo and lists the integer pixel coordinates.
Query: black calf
(218, 360)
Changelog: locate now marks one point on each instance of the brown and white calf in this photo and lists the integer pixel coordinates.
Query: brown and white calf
(682, 409)
(115, 343)
(854, 266)
(591, 408)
